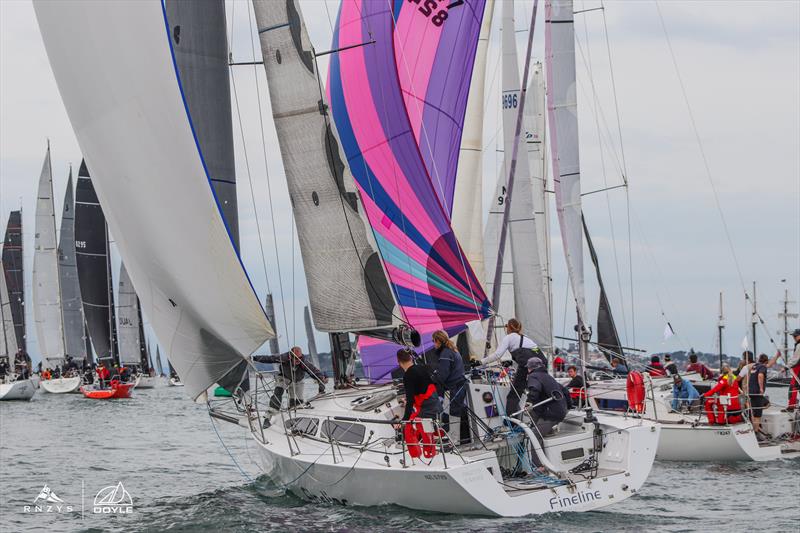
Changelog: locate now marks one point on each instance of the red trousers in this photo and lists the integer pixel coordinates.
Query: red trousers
(794, 386)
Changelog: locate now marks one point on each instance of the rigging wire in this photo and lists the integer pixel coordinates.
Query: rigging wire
(707, 168)
(268, 180)
(244, 149)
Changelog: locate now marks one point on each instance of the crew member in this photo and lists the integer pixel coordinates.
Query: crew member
(293, 368)
(684, 395)
(3, 368)
(522, 348)
(102, 375)
(449, 377)
(422, 401)
(618, 368)
(669, 365)
(656, 368)
(700, 368)
(756, 390)
(794, 371)
(558, 362)
(722, 401)
(576, 388)
(548, 402)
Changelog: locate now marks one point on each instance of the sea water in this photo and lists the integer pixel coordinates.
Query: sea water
(184, 472)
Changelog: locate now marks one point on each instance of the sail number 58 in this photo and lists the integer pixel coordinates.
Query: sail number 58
(430, 7)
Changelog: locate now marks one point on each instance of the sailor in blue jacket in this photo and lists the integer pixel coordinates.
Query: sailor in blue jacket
(684, 395)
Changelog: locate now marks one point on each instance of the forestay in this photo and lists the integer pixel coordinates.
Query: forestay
(562, 111)
(348, 290)
(128, 320)
(432, 281)
(46, 291)
(125, 103)
(71, 304)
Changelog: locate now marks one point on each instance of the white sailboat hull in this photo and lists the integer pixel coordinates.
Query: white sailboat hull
(61, 385)
(17, 390)
(147, 382)
(470, 483)
(175, 382)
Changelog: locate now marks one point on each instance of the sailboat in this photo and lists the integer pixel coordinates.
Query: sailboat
(132, 350)
(47, 307)
(92, 253)
(11, 388)
(370, 189)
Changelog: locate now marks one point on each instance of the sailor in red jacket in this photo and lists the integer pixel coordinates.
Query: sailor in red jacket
(102, 375)
(705, 372)
(724, 399)
(656, 368)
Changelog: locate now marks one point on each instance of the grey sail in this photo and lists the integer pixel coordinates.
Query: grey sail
(128, 321)
(607, 336)
(269, 309)
(44, 280)
(159, 367)
(12, 269)
(8, 348)
(347, 286)
(71, 305)
(199, 41)
(312, 342)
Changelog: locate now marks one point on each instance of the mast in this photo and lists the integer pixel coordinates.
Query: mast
(720, 327)
(786, 315)
(498, 271)
(754, 321)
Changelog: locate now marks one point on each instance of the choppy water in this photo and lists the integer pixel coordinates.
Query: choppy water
(165, 451)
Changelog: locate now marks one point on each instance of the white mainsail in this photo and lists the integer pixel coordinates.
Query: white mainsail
(530, 304)
(562, 112)
(46, 289)
(535, 111)
(127, 320)
(71, 303)
(347, 286)
(467, 197)
(117, 77)
(9, 346)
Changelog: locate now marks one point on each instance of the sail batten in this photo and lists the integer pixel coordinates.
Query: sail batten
(134, 127)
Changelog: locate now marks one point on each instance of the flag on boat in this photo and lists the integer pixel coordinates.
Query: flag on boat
(668, 331)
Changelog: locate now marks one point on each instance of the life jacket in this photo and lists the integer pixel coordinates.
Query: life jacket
(521, 355)
(418, 441)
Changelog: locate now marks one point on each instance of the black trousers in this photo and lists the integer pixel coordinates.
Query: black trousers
(518, 386)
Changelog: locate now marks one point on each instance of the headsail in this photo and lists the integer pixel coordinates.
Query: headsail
(312, 342)
(432, 281)
(128, 320)
(531, 307)
(46, 290)
(200, 46)
(91, 254)
(562, 110)
(127, 107)
(8, 348)
(15, 283)
(467, 197)
(72, 307)
(434, 50)
(347, 286)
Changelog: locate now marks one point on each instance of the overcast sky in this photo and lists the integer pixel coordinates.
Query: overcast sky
(740, 65)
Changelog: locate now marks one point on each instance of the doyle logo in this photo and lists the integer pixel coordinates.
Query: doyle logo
(576, 499)
(47, 502)
(113, 500)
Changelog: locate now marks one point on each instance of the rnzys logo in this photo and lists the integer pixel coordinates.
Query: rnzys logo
(47, 502)
(113, 500)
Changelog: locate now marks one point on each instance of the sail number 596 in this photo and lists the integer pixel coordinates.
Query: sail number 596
(430, 7)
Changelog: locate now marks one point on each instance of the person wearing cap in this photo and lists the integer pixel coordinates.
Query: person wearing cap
(684, 395)
(722, 401)
(794, 370)
(669, 365)
(548, 400)
(656, 368)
